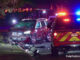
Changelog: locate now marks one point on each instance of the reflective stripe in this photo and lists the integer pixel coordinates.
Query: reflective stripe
(68, 37)
(74, 39)
(58, 35)
(65, 37)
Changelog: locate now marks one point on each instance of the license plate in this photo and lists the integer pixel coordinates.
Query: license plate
(74, 34)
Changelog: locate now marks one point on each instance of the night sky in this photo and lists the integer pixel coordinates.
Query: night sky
(46, 3)
(67, 4)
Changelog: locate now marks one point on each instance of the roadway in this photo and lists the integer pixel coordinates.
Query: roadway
(49, 57)
(12, 52)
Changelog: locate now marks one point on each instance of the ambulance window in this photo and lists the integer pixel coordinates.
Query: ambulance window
(42, 23)
(38, 25)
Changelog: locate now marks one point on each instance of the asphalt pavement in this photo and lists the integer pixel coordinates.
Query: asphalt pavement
(9, 49)
(13, 52)
(49, 57)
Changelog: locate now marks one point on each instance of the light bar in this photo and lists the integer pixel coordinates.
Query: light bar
(78, 13)
(61, 14)
(78, 19)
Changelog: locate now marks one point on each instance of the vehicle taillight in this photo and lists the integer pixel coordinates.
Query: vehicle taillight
(55, 34)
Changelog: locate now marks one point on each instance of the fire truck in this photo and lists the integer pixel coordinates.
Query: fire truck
(65, 33)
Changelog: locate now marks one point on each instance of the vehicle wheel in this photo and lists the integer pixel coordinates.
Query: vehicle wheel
(54, 51)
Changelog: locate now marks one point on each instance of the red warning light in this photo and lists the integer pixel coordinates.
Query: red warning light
(55, 34)
(27, 9)
(19, 10)
(23, 10)
(61, 14)
(67, 20)
(6, 11)
(30, 9)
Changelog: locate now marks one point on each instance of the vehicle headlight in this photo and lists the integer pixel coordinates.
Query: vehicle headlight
(27, 32)
(26, 44)
(20, 33)
(26, 50)
(14, 38)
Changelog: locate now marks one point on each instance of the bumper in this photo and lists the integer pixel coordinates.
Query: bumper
(70, 49)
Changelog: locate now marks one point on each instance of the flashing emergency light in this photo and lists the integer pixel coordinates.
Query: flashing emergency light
(78, 13)
(66, 20)
(61, 14)
(78, 19)
(55, 34)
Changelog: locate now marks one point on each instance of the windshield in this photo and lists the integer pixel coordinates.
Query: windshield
(29, 24)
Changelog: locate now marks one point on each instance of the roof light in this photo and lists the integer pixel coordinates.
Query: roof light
(61, 14)
(78, 19)
(78, 13)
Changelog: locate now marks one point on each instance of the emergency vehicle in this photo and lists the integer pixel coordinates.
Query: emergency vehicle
(66, 33)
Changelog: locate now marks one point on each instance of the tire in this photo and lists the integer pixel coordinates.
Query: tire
(54, 51)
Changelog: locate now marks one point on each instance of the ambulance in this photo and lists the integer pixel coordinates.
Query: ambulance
(65, 33)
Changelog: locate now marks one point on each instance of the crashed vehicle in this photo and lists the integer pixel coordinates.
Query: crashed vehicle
(30, 31)
(41, 32)
(22, 31)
